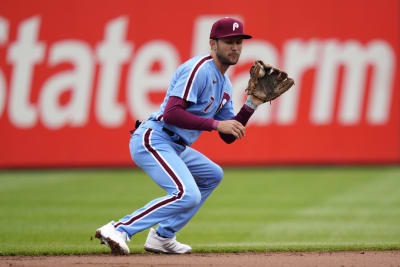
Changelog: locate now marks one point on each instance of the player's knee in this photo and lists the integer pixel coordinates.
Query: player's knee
(191, 198)
(219, 173)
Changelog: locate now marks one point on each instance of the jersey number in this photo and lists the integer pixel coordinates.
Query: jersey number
(224, 100)
(209, 104)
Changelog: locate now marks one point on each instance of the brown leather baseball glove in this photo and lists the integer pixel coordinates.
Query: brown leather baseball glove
(266, 82)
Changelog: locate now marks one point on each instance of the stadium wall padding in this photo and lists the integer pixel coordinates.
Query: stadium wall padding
(75, 75)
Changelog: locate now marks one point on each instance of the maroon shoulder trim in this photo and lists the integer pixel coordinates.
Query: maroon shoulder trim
(189, 83)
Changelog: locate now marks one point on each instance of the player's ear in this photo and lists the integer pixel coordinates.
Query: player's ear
(213, 44)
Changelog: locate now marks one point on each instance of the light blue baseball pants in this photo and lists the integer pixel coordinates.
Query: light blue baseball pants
(187, 176)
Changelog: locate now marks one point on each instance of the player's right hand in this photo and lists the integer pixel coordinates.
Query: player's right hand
(231, 127)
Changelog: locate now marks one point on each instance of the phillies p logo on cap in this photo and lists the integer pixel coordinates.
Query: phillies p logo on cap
(228, 27)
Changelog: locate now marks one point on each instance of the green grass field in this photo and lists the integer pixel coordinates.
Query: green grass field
(258, 209)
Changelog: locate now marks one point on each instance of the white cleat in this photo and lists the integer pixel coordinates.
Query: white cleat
(113, 238)
(157, 244)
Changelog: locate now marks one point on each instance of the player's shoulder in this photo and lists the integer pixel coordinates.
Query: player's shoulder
(198, 64)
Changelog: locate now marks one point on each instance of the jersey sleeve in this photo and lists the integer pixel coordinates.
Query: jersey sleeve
(189, 83)
(175, 113)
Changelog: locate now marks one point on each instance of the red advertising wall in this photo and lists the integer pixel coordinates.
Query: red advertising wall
(75, 75)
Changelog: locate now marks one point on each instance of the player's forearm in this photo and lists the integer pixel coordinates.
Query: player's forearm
(175, 114)
(244, 114)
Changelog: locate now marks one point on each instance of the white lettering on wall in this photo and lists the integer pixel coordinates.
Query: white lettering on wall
(382, 57)
(142, 81)
(24, 53)
(355, 58)
(78, 80)
(112, 52)
(297, 57)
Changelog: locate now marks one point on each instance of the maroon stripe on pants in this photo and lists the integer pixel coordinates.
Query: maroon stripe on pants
(191, 77)
(171, 174)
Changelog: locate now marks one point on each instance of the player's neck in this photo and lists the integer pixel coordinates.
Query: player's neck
(222, 67)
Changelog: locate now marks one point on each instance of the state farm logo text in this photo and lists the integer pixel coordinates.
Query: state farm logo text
(94, 77)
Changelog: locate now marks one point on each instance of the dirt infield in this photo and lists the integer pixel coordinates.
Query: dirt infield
(368, 258)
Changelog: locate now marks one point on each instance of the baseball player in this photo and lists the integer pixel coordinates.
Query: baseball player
(198, 99)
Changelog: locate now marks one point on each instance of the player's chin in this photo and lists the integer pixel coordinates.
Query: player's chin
(233, 60)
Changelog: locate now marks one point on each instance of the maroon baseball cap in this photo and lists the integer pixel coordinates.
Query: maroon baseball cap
(227, 27)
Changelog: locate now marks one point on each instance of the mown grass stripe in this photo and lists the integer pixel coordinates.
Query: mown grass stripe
(55, 212)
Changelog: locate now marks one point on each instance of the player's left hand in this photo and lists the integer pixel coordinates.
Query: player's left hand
(266, 82)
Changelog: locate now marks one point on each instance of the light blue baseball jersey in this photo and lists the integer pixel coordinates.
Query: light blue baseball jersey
(200, 82)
